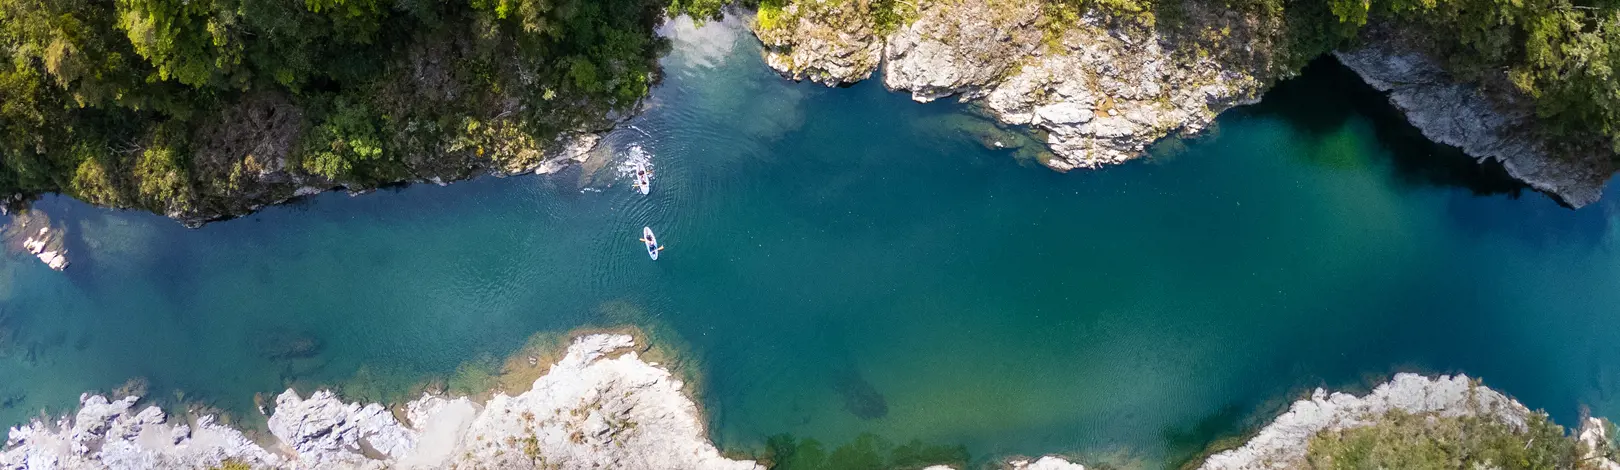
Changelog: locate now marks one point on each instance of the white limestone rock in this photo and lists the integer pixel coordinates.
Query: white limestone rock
(593, 411)
(106, 434)
(589, 411)
(1283, 443)
(959, 47)
(324, 431)
(1050, 462)
(831, 42)
(568, 150)
(1101, 95)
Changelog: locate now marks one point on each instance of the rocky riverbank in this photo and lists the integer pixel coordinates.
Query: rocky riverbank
(600, 406)
(1101, 89)
(1488, 123)
(1294, 439)
(276, 179)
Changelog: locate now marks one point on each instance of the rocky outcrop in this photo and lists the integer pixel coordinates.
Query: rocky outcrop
(1099, 91)
(31, 232)
(110, 434)
(1499, 126)
(831, 42)
(324, 432)
(1045, 463)
(600, 406)
(1594, 435)
(1283, 443)
(961, 47)
(258, 184)
(1050, 462)
(1107, 93)
(593, 411)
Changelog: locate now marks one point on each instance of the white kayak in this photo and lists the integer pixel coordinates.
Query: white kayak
(643, 179)
(652, 242)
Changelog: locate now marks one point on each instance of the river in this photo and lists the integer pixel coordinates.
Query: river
(845, 261)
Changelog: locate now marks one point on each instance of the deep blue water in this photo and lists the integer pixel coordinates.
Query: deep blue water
(845, 260)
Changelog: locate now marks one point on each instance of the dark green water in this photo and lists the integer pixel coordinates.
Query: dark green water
(844, 261)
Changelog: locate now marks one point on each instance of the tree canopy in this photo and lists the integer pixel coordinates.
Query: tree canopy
(167, 103)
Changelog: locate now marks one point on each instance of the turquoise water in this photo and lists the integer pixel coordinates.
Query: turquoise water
(844, 261)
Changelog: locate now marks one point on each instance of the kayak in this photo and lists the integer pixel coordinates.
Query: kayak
(643, 179)
(651, 241)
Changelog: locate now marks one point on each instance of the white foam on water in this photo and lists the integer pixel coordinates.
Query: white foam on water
(633, 156)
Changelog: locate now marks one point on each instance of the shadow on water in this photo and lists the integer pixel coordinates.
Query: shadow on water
(1327, 95)
(858, 395)
(1188, 444)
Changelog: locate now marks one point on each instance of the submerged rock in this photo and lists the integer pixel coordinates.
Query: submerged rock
(860, 397)
(284, 343)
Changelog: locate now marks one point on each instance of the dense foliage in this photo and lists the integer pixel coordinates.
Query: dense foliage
(167, 104)
(1423, 441)
(1563, 53)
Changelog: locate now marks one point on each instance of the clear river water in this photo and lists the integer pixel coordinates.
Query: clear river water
(845, 261)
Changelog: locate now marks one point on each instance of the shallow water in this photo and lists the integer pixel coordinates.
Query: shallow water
(844, 261)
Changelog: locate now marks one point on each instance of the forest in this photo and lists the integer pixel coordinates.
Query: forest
(202, 106)
(171, 105)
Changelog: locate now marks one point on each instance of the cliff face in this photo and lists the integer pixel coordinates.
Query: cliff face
(1498, 125)
(1100, 90)
(242, 183)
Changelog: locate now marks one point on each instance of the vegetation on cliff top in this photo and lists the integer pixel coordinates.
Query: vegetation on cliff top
(1427, 441)
(1561, 53)
(190, 106)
